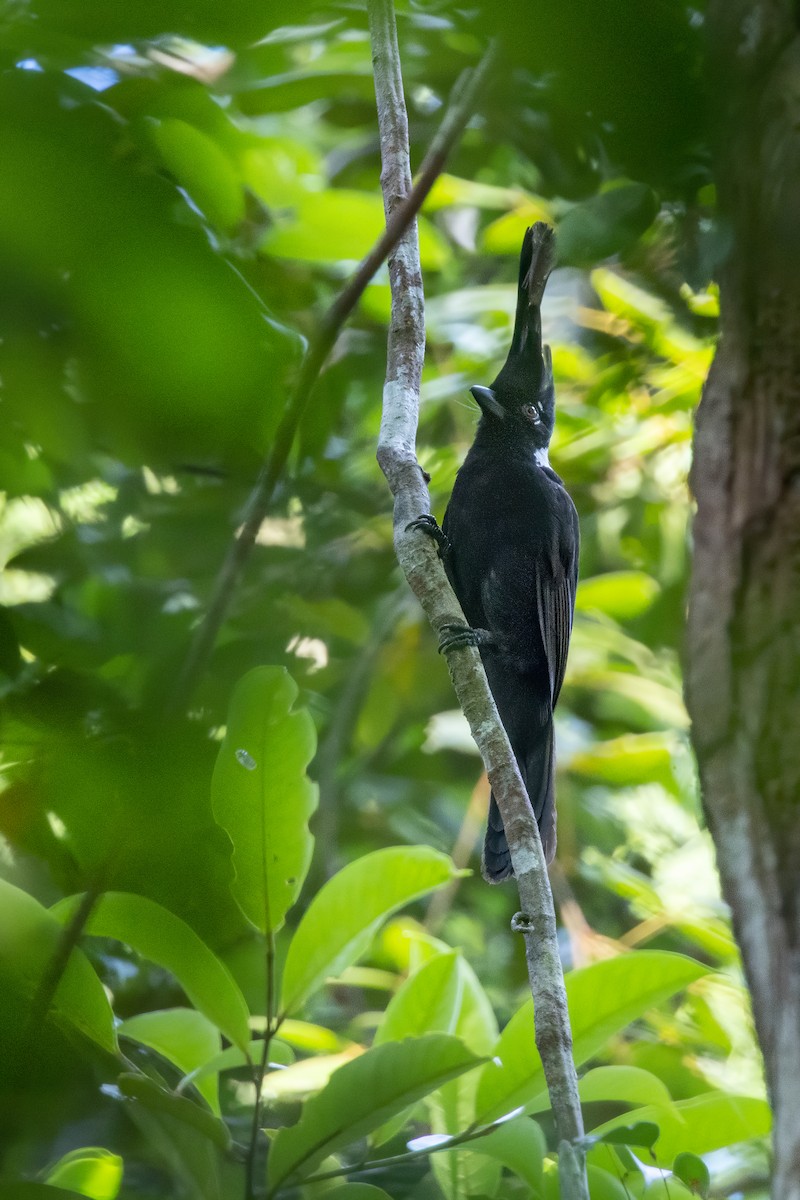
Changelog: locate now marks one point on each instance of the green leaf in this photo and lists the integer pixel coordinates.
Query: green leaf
(29, 939)
(340, 225)
(183, 1135)
(699, 1125)
(167, 940)
(358, 1191)
(605, 1186)
(631, 1085)
(361, 1095)
(629, 760)
(619, 594)
(428, 1001)
(178, 1108)
(32, 1190)
(606, 224)
(692, 1171)
(199, 165)
(343, 917)
(641, 1133)
(450, 191)
(92, 1171)
(603, 1000)
(262, 797)
(519, 1145)
(184, 1037)
(464, 1170)
(666, 1189)
(504, 235)
(232, 1058)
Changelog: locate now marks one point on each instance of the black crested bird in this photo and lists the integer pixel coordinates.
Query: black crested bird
(509, 544)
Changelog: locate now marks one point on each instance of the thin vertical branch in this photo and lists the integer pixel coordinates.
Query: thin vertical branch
(426, 576)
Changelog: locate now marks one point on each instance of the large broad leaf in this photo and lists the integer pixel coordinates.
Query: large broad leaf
(699, 1125)
(619, 594)
(337, 225)
(171, 347)
(629, 760)
(519, 1145)
(262, 796)
(30, 937)
(176, 1109)
(361, 1095)
(428, 1002)
(92, 1171)
(179, 1132)
(630, 1085)
(465, 1171)
(606, 224)
(182, 1036)
(603, 999)
(167, 940)
(344, 915)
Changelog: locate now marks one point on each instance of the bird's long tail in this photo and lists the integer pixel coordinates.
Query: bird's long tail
(537, 774)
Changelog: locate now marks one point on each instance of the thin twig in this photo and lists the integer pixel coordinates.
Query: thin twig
(426, 576)
(472, 1134)
(403, 214)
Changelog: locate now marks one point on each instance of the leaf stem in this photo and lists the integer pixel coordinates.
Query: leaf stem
(251, 1189)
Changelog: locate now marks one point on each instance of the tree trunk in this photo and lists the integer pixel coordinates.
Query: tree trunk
(743, 675)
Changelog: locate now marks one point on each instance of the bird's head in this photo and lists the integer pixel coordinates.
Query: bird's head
(520, 405)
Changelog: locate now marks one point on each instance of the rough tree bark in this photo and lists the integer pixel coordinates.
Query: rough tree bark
(743, 675)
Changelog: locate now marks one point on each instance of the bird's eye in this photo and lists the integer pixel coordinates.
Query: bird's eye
(532, 413)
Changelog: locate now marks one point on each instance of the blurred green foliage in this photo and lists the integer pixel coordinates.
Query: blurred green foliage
(184, 189)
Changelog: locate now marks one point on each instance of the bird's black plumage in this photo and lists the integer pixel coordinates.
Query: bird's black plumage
(510, 548)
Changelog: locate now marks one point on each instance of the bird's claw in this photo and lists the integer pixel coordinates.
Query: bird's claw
(427, 523)
(455, 636)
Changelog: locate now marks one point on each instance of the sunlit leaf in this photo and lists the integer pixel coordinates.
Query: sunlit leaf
(699, 1125)
(628, 760)
(603, 999)
(262, 796)
(363, 1094)
(203, 169)
(30, 937)
(233, 1058)
(504, 235)
(428, 1002)
(165, 939)
(342, 918)
(519, 1145)
(618, 594)
(185, 1037)
(338, 225)
(92, 1171)
(632, 1085)
(692, 1171)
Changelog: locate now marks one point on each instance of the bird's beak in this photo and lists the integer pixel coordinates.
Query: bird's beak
(488, 401)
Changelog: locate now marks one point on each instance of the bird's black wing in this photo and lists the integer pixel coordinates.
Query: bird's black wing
(555, 605)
